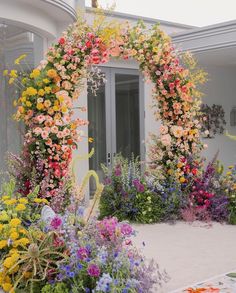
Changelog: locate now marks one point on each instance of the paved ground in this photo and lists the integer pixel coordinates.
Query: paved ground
(190, 253)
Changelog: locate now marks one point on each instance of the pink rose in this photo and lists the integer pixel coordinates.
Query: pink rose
(166, 140)
(163, 129)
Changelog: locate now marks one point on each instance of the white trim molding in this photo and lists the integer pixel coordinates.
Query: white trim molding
(212, 37)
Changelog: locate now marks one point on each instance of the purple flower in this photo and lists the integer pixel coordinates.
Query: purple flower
(107, 181)
(56, 222)
(126, 229)
(82, 253)
(141, 188)
(117, 171)
(93, 270)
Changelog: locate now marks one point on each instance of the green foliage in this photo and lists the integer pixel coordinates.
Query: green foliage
(126, 194)
(57, 288)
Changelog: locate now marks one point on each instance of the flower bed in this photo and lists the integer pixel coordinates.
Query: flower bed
(199, 194)
(45, 252)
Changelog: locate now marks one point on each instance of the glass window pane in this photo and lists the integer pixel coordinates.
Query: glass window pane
(127, 114)
(97, 130)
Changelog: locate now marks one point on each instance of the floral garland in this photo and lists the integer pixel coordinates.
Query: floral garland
(46, 103)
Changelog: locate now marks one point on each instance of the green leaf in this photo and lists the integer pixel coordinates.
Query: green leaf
(231, 275)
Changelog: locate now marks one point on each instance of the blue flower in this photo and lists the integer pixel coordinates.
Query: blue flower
(79, 266)
(103, 284)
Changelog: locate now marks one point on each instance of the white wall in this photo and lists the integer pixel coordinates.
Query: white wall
(221, 90)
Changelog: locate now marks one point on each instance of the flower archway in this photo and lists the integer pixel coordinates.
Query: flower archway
(46, 103)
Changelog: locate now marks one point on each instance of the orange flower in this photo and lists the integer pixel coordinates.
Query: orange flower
(52, 73)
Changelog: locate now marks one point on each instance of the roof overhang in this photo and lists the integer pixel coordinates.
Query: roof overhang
(213, 37)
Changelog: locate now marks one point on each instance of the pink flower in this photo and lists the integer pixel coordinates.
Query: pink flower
(56, 222)
(163, 129)
(93, 270)
(166, 140)
(37, 130)
(66, 85)
(177, 131)
(126, 229)
(82, 253)
(44, 134)
(40, 118)
(54, 129)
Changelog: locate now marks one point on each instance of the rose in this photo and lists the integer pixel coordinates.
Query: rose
(62, 41)
(166, 140)
(163, 129)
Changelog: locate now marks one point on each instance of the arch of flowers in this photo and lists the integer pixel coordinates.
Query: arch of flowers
(46, 103)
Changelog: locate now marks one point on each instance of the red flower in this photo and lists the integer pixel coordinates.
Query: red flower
(88, 44)
(194, 171)
(62, 41)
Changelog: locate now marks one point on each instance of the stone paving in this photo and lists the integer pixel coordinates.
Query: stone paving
(225, 283)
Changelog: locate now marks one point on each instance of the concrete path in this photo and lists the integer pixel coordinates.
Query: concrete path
(190, 253)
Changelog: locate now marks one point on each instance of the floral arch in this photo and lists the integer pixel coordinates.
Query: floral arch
(46, 102)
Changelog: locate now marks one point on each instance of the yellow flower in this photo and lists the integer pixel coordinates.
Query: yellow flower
(38, 200)
(64, 109)
(23, 231)
(90, 139)
(4, 197)
(13, 73)
(229, 173)
(1, 227)
(47, 103)
(50, 111)
(21, 57)
(181, 179)
(23, 241)
(35, 73)
(40, 106)
(15, 103)
(14, 270)
(45, 201)
(46, 81)
(51, 73)
(14, 235)
(20, 207)
(31, 91)
(15, 222)
(7, 287)
(41, 92)
(4, 216)
(8, 262)
(61, 98)
(155, 49)
(13, 251)
(5, 72)
(11, 80)
(169, 171)
(10, 201)
(3, 244)
(24, 80)
(55, 108)
(47, 89)
(28, 104)
(23, 200)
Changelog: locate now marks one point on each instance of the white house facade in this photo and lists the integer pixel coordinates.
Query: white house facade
(120, 115)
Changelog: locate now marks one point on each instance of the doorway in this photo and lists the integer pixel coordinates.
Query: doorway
(116, 118)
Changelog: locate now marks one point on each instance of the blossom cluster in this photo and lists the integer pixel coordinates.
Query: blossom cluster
(173, 93)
